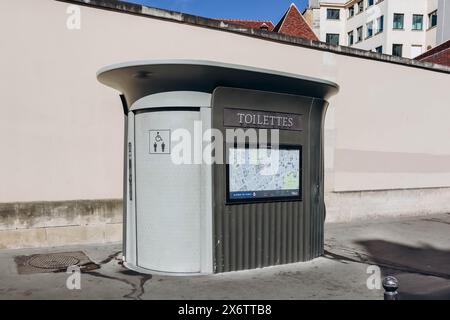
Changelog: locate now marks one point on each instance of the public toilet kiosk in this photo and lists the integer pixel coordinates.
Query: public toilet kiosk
(186, 215)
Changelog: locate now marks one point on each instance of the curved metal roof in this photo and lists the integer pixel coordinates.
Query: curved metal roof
(141, 78)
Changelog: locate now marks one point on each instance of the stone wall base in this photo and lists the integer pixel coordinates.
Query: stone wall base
(47, 224)
(59, 223)
(364, 205)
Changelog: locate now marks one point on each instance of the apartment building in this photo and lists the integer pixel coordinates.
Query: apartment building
(405, 28)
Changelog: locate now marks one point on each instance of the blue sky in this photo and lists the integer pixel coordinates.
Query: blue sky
(237, 9)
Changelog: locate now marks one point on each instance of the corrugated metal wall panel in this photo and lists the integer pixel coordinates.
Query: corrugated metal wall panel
(255, 235)
(263, 234)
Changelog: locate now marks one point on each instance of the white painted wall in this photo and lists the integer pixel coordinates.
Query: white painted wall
(361, 19)
(61, 131)
(430, 40)
(443, 27)
(332, 26)
(407, 37)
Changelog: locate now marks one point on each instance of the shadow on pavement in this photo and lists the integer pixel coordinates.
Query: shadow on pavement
(423, 272)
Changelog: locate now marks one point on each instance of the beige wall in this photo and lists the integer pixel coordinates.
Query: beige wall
(61, 131)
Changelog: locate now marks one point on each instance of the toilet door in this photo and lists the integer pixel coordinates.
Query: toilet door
(167, 194)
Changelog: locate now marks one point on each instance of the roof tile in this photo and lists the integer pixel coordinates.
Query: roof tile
(294, 24)
(255, 24)
(438, 55)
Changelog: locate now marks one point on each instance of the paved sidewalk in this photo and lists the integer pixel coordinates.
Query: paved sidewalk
(416, 250)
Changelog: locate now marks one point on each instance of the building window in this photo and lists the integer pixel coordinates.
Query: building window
(369, 3)
(416, 50)
(379, 49)
(380, 24)
(350, 38)
(360, 6)
(432, 19)
(417, 23)
(369, 27)
(351, 11)
(333, 14)
(359, 34)
(333, 38)
(397, 50)
(398, 20)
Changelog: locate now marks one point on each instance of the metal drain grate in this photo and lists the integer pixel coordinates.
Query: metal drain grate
(51, 262)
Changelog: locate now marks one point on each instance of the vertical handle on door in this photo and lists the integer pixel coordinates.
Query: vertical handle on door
(130, 171)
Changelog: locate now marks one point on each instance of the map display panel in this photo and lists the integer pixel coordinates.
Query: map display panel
(263, 173)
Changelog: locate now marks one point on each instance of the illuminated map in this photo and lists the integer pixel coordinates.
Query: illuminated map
(254, 170)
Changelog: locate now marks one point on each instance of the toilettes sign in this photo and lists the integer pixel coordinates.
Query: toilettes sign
(262, 119)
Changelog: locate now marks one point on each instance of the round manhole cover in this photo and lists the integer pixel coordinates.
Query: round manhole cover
(53, 261)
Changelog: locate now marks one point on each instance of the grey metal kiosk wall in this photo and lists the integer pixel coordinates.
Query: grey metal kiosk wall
(192, 218)
(269, 232)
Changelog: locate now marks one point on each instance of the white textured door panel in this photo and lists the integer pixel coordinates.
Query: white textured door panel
(167, 196)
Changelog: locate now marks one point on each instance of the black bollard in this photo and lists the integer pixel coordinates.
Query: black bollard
(390, 285)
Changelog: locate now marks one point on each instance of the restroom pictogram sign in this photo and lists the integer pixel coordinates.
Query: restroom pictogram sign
(159, 141)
